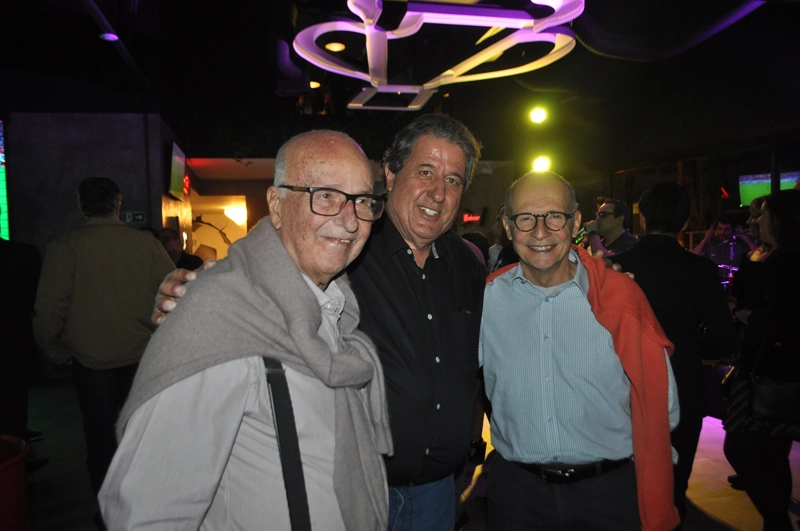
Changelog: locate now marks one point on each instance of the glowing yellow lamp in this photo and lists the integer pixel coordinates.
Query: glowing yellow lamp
(334, 47)
(541, 164)
(238, 214)
(538, 115)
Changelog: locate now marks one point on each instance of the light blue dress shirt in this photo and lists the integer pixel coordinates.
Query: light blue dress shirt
(557, 387)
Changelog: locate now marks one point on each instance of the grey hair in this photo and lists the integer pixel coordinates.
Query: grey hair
(439, 126)
(573, 202)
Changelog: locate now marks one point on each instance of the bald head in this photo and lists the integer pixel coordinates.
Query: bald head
(312, 147)
(540, 178)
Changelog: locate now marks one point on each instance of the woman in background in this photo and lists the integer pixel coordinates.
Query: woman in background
(773, 351)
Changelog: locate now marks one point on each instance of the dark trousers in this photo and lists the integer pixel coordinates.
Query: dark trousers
(684, 439)
(521, 501)
(101, 395)
(762, 464)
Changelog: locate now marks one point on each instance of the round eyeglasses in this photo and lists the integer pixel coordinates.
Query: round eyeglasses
(526, 222)
(330, 202)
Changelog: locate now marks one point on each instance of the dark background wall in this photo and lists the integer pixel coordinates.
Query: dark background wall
(48, 154)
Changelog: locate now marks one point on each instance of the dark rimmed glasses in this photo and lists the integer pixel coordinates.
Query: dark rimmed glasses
(526, 222)
(330, 202)
(606, 213)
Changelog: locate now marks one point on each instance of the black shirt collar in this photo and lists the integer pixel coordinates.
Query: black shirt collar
(388, 241)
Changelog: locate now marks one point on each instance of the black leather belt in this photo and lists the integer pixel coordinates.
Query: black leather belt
(572, 473)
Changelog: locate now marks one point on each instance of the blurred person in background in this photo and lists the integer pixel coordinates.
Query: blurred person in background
(610, 230)
(756, 449)
(77, 322)
(688, 300)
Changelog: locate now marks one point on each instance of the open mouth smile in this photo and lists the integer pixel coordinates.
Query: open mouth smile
(429, 212)
(541, 248)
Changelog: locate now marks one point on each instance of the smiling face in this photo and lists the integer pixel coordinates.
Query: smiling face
(424, 195)
(543, 253)
(321, 246)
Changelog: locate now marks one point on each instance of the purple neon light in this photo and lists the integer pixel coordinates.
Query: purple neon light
(419, 13)
(110, 37)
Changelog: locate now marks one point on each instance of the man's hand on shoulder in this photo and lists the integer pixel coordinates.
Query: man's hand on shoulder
(616, 267)
(173, 288)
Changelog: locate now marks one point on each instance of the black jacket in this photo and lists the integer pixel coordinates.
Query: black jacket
(685, 293)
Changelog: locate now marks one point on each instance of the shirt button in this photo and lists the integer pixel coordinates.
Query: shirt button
(437, 359)
(546, 337)
(546, 378)
(547, 299)
(549, 419)
(423, 276)
(430, 317)
(438, 406)
(409, 251)
(427, 451)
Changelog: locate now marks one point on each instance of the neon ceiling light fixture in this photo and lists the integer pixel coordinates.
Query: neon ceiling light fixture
(528, 29)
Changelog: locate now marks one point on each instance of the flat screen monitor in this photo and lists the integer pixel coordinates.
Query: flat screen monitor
(4, 231)
(760, 184)
(789, 179)
(752, 186)
(178, 180)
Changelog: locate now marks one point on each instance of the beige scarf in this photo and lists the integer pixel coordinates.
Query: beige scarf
(256, 303)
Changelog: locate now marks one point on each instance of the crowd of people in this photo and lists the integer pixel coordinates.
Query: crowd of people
(333, 372)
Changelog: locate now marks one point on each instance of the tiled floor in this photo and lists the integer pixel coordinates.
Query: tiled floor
(61, 496)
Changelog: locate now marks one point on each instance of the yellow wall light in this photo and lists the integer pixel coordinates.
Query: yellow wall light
(237, 214)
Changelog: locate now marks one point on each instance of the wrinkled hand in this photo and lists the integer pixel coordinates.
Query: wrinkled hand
(616, 267)
(173, 288)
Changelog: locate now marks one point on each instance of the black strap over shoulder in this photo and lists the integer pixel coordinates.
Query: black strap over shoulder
(288, 445)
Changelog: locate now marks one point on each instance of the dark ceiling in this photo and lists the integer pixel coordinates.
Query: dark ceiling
(649, 80)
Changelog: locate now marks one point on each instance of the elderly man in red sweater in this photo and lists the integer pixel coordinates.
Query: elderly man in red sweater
(576, 368)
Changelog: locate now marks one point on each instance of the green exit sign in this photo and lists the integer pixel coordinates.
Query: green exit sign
(133, 217)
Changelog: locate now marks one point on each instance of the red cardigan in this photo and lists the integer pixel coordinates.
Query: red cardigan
(621, 307)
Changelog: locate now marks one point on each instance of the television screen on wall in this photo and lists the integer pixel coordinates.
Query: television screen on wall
(760, 184)
(4, 231)
(178, 179)
(788, 179)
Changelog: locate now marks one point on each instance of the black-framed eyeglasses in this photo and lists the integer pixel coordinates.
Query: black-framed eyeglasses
(526, 222)
(330, 201)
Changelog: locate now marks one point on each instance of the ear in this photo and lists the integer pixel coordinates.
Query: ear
(389, 178)
(507, 227)
(576, 227)
(274, 202)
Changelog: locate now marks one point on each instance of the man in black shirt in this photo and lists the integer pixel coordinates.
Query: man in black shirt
(420, 290)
